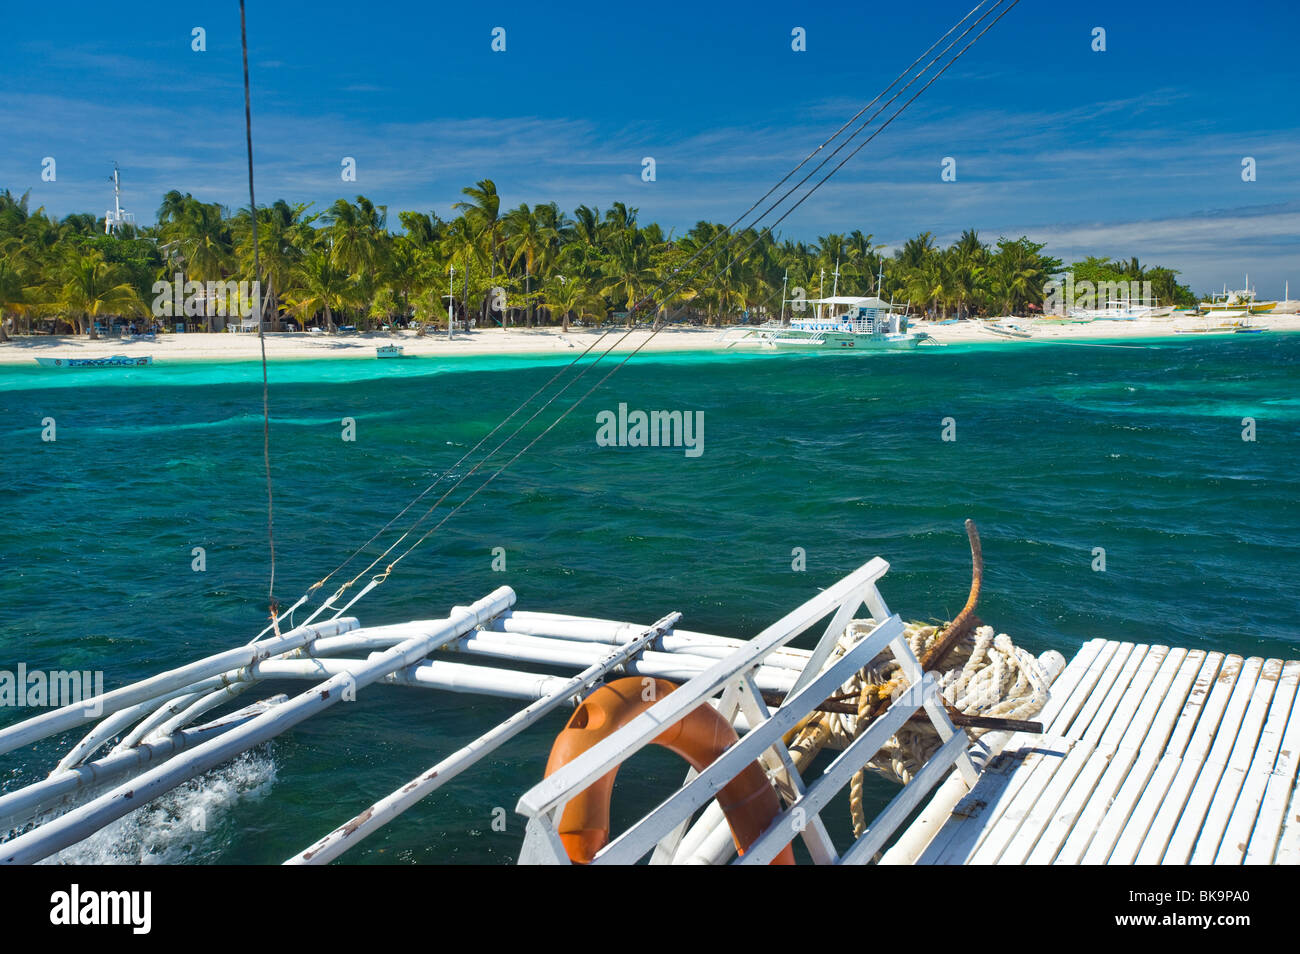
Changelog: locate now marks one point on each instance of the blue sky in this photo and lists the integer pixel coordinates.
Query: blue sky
(1134, 151)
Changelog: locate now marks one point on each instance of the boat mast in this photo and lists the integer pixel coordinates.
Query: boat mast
(113, 220)
(785, 279)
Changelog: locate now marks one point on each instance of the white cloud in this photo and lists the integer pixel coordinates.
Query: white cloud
(1067, 177)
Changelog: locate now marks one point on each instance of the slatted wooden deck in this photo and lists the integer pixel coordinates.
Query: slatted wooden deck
(1150, 755)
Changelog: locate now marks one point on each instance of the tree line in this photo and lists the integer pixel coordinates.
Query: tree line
(518, 266)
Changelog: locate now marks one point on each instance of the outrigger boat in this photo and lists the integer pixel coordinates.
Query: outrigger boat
(1123, 310)
(1288, 305)
(838, 323)
(1238, 303)
(116, 361)
(389, 351)
(1007, 329)
(1139, 753)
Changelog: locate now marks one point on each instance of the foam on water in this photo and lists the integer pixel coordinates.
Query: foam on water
(190, 824)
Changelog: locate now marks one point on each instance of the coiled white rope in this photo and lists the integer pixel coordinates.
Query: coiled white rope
(984, 675)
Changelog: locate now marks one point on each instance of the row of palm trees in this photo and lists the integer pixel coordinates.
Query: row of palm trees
(538, 265)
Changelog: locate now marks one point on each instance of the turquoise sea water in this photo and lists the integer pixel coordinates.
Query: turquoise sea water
(1059, 449)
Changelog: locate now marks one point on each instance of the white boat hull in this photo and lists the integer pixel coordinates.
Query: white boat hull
(116, 361)
(785, 339)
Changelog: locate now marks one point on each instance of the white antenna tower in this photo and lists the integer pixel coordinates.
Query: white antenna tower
(116, 217)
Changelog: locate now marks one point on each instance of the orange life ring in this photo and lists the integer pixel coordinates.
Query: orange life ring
(749, 801)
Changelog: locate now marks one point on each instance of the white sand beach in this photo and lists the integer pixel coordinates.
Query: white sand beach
(968, 332)
(298, 346)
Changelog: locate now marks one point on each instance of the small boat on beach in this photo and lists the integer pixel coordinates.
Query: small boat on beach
(1288, 305)
(116, 361)
(1205, 328)
(1007, 330)
(1238, 303)
(1123, 310)
(389, 351)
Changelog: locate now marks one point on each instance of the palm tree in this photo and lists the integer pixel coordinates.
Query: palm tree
(571, 294)
(1019, 272)
(587, 229)
(462, 248)
(422, 228)
(925, 282)
(481, 228)
(283, 232)
(405, 267)
(526, 241)
(916, 251)
(203, 238)
(172, 208)
(81, 223)
(92, 287)
(361, 244)
(619, 218)
(628, 268)
(356, 232)
(967, 272)
(483, 216)
(197, 238)
(861, 260)
(319, 285)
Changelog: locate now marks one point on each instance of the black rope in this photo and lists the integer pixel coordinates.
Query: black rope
(261, 337)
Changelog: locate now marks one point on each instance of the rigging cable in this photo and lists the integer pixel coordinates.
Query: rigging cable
(650, 297)
(565, 413)
(725, 231)
(261, 337)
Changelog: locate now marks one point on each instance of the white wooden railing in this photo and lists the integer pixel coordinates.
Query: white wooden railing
(664, 829)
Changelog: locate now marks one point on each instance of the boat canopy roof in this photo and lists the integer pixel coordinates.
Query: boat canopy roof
(849, 300)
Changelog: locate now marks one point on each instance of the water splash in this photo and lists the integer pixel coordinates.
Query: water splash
(185, 826)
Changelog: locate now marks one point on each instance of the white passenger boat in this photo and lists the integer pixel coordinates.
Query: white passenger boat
(837, 323)
(116, 361)
(389, 351)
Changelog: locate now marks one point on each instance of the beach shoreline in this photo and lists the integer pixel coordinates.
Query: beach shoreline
(228, 347)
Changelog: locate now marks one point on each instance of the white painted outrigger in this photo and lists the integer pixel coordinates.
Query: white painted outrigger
(160, 747)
